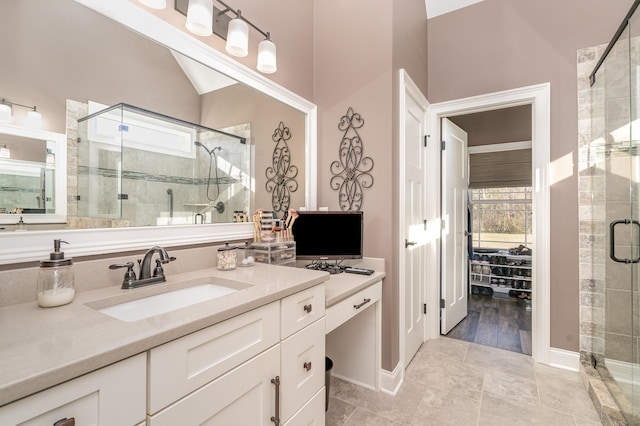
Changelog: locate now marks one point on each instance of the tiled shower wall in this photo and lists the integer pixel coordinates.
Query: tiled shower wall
(606, 297)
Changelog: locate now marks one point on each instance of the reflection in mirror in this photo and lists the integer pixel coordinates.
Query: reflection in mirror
(140, 168)
(91, 57)
(32, 175)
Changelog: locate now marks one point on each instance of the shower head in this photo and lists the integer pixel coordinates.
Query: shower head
(198, 143)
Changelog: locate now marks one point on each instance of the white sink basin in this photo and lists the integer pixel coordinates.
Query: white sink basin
(166, 302)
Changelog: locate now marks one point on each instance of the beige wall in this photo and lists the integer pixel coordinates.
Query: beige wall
(501, 44)
(496, 126)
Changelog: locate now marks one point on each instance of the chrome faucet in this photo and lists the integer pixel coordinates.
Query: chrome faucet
(146, 275)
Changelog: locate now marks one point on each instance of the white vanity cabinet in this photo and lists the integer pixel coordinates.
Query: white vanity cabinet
(248, 370)
(113, 395)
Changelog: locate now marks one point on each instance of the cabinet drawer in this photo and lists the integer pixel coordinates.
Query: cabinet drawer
(346, 309)
(301, 309)
(113, 395)
(183, 365)
(243, 396)
(312, 414)
(302, 368)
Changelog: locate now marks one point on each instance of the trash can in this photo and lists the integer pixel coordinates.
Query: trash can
(328, 365)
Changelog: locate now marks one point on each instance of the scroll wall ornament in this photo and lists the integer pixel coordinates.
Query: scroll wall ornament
(281, 175)
(351, 173)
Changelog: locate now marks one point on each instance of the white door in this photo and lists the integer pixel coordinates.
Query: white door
(453, 286)
(413, 256)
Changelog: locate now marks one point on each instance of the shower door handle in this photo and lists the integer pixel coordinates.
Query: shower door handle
(612, 240)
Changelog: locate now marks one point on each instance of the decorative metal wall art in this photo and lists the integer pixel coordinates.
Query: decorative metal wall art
(281, 175)
(351, 173)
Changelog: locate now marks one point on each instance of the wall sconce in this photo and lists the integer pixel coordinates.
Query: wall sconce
(204, 19)
(34, 118)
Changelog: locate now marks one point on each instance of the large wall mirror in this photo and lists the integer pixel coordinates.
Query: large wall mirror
(68, 55)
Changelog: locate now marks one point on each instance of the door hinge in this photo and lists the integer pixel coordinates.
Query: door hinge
(425, 224)
(442, 145)
(424, 308)
(425, 140)
(441, 303)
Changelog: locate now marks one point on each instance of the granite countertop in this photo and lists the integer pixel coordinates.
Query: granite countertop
(42, 347)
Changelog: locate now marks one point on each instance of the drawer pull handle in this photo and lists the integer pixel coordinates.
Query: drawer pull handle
(66, 422)
(364, 302)
(307, 365)
(308, 308)
(276, 419)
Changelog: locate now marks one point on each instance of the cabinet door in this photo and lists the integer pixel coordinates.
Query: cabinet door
(185, 364)
(312, 414)
(113, 395)
(243, 396)
(302, 367)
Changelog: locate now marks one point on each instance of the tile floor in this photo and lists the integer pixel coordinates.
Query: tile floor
(451, 382)
(501, 322)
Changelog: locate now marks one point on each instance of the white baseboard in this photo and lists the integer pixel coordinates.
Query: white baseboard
(561, 358)
(390, 382)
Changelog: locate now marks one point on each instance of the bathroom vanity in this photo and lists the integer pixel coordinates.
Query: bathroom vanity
(255, 355)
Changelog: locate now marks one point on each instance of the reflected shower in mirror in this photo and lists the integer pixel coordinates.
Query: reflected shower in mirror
(90, 57)
(140, 168)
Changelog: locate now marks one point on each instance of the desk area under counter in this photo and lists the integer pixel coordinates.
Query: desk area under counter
(353, 323)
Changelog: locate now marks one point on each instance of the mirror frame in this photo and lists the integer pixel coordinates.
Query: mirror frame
(60, 205)
(17, 247)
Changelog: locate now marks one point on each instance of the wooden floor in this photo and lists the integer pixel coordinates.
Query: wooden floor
(500, 322)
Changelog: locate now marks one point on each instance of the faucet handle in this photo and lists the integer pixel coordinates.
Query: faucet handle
(129, 276)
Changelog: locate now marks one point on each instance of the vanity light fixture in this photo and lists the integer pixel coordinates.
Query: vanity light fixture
(238, 37)
(5, 152)
(200, 17)
(211, 20)
(34, 118)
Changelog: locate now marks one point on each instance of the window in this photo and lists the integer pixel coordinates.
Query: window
(501, 217)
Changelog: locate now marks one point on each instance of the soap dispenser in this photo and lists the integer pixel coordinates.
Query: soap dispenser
(55, 280)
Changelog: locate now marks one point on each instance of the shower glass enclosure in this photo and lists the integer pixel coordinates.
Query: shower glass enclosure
(611, 203)
(139, 168)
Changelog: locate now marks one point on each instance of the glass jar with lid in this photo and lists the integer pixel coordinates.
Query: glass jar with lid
(246, 255)
(227, 257)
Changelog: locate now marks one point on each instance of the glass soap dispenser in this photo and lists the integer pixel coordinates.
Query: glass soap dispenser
(56, 284)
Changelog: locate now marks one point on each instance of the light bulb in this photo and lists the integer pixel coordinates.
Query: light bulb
(238, 38)
(200, 17)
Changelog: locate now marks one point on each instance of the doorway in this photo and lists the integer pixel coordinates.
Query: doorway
(497, 204)
(538, 97)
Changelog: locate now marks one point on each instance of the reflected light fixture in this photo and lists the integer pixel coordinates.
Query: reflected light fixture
(4, 152)
(34, 118)
(51, 158)
(235, 31)
(154, 4)
(5, 112)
